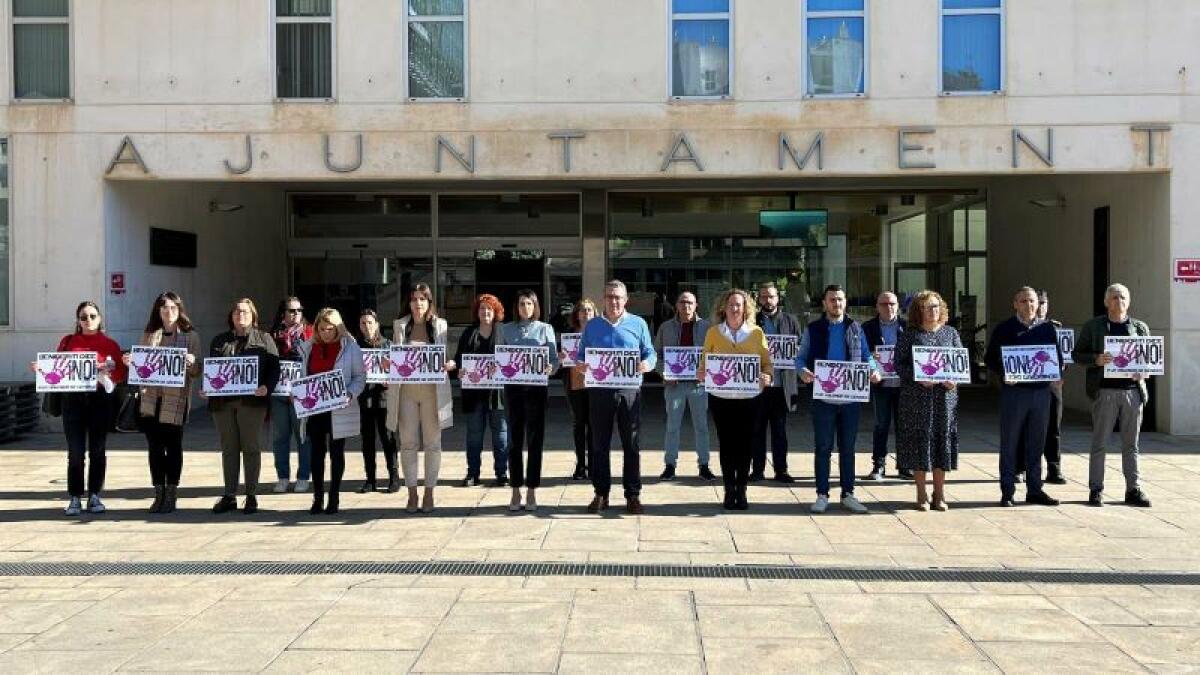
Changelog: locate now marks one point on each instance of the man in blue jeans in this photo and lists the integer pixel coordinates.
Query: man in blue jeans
(687, 329)
(834, 337)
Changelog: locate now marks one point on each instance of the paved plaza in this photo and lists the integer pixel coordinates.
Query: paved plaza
(533, 621)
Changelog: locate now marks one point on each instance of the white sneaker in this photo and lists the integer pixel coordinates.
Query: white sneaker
(851, 503)
(820, 505)
(95, 505)
(281, 485)
(301, 486)
(72, 507)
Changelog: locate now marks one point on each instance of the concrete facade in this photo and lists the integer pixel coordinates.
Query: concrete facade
(188, 82)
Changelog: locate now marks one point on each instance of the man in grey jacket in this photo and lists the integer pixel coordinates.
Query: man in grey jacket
(687, 329)
(777, 398)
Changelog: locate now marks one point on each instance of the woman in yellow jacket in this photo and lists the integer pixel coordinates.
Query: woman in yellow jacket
(733, 332)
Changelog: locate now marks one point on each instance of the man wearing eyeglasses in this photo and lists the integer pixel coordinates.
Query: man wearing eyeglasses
(776, 398)
(882, 331)
(687, 329)
(289, 331)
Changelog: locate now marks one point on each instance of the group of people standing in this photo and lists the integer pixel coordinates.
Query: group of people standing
(923, 415)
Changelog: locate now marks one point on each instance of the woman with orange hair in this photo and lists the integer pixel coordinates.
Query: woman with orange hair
(927, 438)
(484, 408)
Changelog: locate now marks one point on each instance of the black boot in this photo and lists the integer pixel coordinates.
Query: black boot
(730, 501)
(168, 505)
(156, 505)
(393, 480)
(332, 507)
(739, 501)
(367, 486)
(318, 505)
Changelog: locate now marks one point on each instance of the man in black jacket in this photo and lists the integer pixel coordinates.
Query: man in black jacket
(884, 330)
(776, 399)
(1024, 406)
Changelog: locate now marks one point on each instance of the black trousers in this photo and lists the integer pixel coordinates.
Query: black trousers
(320, 432)
(1052, 449)
(625, 407)
(86, 418)
(729, 416)
(165, 443)
(526, 409)
(770, 411)
(373, 422)
(581, 426)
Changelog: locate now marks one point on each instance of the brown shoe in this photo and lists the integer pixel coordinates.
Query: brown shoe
(598, 504)
(633, 506)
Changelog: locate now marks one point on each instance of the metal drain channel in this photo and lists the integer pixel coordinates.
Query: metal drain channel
(448, 568)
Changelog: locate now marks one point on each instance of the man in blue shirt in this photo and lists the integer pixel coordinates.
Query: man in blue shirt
(616, 329)
(834, 337)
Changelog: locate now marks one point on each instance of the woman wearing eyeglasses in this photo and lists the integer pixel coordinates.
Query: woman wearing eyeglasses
(87, 415)
(289, 331)
(164, 410)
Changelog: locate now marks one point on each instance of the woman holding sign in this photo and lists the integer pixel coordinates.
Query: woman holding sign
(734, 332)
(419, 412)
(331, 350)
(372, 411)
(164, 408)
(526, 403)
(583, 312)
(86, 414)
(239, 418)
(483, 407)
(927, 439)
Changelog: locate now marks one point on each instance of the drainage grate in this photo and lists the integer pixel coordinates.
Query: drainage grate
(538, 569)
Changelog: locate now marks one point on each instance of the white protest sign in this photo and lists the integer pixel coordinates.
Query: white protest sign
(289, 372)
(522, 364)
(679, 363)
(477, 371)
(1030, 363)
(230, 375)
(569, 342)
(1066, 344)
(378, 365)
(1135, 356)
(66, 371)
(886, 357)
(319, 393)
(157, 366)
(784, 349)
(418, 364)
(841, 381)
(612, 368)
(732, 374)
(941, 364)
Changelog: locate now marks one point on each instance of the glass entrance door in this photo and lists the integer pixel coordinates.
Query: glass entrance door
(351, 283)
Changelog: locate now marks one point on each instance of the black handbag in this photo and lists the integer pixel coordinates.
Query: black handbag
(129, 419)
(52, 403)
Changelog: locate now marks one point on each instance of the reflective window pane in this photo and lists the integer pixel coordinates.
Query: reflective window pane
(41, 56)
(304, 60)
(835, 5)
(701, 58)
(435, 59)
(5, 255)
(960, 230)
(970, 4)
(303, 7)
(508, 215)
(40, 8)
(435, 7)
(836, 56)
(971, 52)
(909, 243)
(699, 6)
(361, 216)
(977, 238)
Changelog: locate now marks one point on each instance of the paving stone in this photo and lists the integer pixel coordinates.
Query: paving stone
(786, 621)
(337, 661)
(466, 653)
(1027, 657)
(773, 655)
(631, 636)
(1033, 625)
(621, 664)
(210, 651)
(364, 633)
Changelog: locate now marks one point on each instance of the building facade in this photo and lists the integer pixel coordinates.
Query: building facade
(344, 150)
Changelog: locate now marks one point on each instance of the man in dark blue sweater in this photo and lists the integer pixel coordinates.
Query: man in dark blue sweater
(1024, 406)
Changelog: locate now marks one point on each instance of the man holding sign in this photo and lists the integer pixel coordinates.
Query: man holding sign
(834, 337)
(783, 337)
(616, 329)
(1113, 398)
(1025, 393)
(883, 332)
(679, 342)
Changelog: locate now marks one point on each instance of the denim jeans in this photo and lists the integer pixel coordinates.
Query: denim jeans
(887, 406)
(284, 429)
(830, 421)
(478, 420)
(679, 397)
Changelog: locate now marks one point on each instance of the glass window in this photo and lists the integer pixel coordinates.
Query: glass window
(436, 49)
(977, 218)
(41, 49)
(700, 53)
(508, 215)
(361, 216)
(5, 254)
(304, 49)
(972, 46)
(835, 54)
(909, 243)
